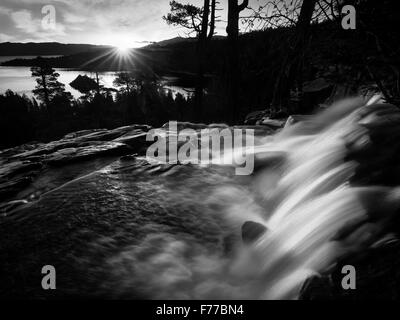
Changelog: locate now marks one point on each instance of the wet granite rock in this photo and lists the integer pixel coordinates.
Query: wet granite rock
(272, 123)
(104, 134)
(97, 149)
(107, 203)
(8, 188)
(9, 170)
(10, 206)
(135, 138)
(293, 119)
(255, 116)
(265, 118)
(259, 130)
(31, 170)
(186, 125)
(28, 170)
(252, 231)
(16, 175)
(377, 277)
(88, 229)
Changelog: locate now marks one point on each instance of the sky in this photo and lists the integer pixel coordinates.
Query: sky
(129, 23)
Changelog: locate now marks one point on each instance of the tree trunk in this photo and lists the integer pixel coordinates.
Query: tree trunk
(45, 91)
(233, 72)
(201, 51)
(97, 83)
(212, 19)
(292, 64)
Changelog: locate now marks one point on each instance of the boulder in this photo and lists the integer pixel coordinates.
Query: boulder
(377, 272)
(256, 116)
(252, 231)
(293, 119)
(272, 123)
(25, 169)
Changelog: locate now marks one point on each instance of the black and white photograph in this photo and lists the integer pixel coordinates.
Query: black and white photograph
(199, 150)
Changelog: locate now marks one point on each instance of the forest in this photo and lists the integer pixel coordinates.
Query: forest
(281, 58)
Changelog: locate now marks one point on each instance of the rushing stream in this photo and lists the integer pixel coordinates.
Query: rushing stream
(139, 230)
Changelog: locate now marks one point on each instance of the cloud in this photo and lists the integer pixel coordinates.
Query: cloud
(23, 20)
(91, 21)
(4, 11)
(5, 37)
(73, 18)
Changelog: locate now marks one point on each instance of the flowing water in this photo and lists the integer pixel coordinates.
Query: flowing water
(135, 229)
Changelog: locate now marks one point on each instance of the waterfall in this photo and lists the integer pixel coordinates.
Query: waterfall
(308, 198)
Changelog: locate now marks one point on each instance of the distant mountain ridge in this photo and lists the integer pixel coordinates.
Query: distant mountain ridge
(64, 49)
(45, 48)
(172, 41)
(176, 55)
(178, 40)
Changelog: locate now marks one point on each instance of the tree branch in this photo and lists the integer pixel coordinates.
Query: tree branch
(244, 5)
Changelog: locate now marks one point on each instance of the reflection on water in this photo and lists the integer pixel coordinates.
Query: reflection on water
(19, 80)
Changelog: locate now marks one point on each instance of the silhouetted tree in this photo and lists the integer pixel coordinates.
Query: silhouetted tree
(202, 22)
(47, 84)
(299, 14)
(292, 63)
(375, 22)
(233, 73)
(282, 13)
(185, 15)
(126, 81)
(16, 123)
(99, 87)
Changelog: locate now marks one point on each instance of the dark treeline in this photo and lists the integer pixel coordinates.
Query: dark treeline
(274, 66)
(26, 120)
(293, 64)
(45, 48)
(270, 67)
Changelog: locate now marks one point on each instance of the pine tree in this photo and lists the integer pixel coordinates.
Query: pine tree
(202, 22)
(47, 86)
(126, 81)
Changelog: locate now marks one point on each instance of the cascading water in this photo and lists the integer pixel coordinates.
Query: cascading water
(302, 194)
(307, 197)
(322, 189)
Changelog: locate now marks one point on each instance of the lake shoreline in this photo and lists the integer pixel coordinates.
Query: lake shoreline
(18, 78)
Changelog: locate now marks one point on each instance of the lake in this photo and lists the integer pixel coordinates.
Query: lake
(19, 80)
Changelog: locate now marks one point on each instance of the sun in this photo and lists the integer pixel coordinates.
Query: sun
(122, 49)
(122, 44)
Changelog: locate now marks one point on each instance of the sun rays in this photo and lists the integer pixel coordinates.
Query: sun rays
(121, 56)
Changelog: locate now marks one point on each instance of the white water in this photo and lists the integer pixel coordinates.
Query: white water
(304, 199)
(310, 200)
